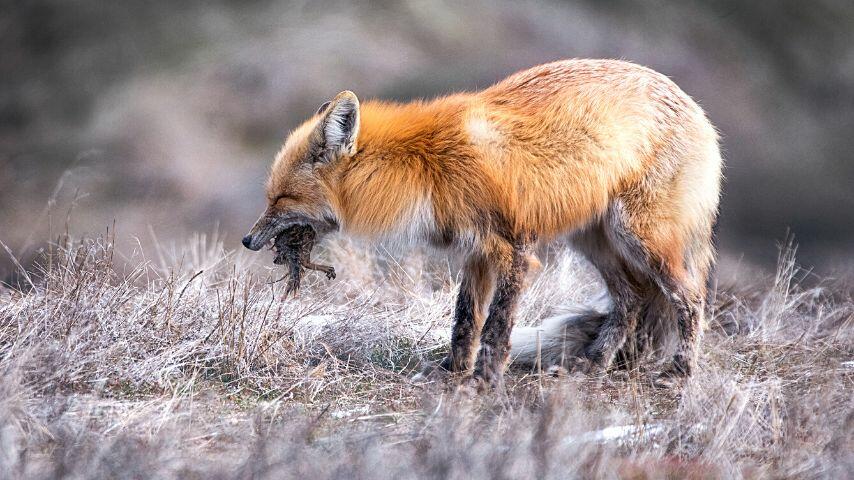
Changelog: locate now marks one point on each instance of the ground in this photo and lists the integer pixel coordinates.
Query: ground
(187, 363)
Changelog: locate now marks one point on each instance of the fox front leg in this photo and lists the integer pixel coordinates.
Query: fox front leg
(495, 338)
(469, 314)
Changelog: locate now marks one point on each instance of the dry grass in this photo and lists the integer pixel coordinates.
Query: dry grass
(187, 364)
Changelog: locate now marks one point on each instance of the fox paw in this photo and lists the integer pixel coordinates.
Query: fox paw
(431, 373)
(673, 375)
(667, 381)
(487, 379)
(592, 363)
(580, 365)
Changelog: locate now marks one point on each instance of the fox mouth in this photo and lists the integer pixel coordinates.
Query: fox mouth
(266, 230)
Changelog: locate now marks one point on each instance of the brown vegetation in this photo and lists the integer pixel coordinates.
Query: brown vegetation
(190, 366)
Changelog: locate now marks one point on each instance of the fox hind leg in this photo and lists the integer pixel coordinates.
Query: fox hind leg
(623, 289)
(689, 307)
(671, 265)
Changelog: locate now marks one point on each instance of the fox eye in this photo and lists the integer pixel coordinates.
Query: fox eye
(282, 197)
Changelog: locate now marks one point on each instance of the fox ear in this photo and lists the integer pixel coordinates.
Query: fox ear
(322, 108)
(340, 125)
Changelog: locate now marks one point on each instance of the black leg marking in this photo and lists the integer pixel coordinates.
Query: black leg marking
(621, 321)
(462, 334)
(495, 338)
(468, 315)
(623, 289)
(689, 314)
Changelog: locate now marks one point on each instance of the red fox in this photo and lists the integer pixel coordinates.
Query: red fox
(609, 154)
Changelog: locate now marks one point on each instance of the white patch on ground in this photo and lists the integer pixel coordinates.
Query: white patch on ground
(619, 433)
(338, 414)
(309, 327)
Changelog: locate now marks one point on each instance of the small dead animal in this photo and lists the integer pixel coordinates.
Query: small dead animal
(293, 249)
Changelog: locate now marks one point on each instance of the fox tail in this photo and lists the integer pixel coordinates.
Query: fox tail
(560, 339)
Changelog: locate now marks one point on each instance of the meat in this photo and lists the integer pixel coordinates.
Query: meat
(293, 249)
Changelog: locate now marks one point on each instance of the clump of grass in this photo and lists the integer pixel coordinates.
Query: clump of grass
(191, 365)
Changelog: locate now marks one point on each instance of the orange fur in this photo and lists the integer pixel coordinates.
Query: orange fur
(568, 138)
(549, 151)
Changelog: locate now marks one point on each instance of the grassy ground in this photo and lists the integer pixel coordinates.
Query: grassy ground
(187, 364)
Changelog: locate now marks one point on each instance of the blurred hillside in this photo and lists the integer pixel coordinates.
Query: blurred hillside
(164, 116)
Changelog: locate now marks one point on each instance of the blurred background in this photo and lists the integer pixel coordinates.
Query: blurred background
(164, 116)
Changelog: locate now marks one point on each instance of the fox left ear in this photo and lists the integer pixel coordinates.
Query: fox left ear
(341, 123)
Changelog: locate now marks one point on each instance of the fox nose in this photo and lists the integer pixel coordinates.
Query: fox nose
(247, 242)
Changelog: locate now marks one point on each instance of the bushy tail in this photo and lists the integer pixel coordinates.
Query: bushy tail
(563, 338)
(559, 340)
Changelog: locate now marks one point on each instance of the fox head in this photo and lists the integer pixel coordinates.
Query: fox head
(300, 189)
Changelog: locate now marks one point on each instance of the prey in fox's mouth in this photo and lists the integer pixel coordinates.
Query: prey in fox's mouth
(293, 249)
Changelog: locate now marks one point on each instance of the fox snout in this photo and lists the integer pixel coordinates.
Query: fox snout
(247, 242)
(267, 227)
(254, 241)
